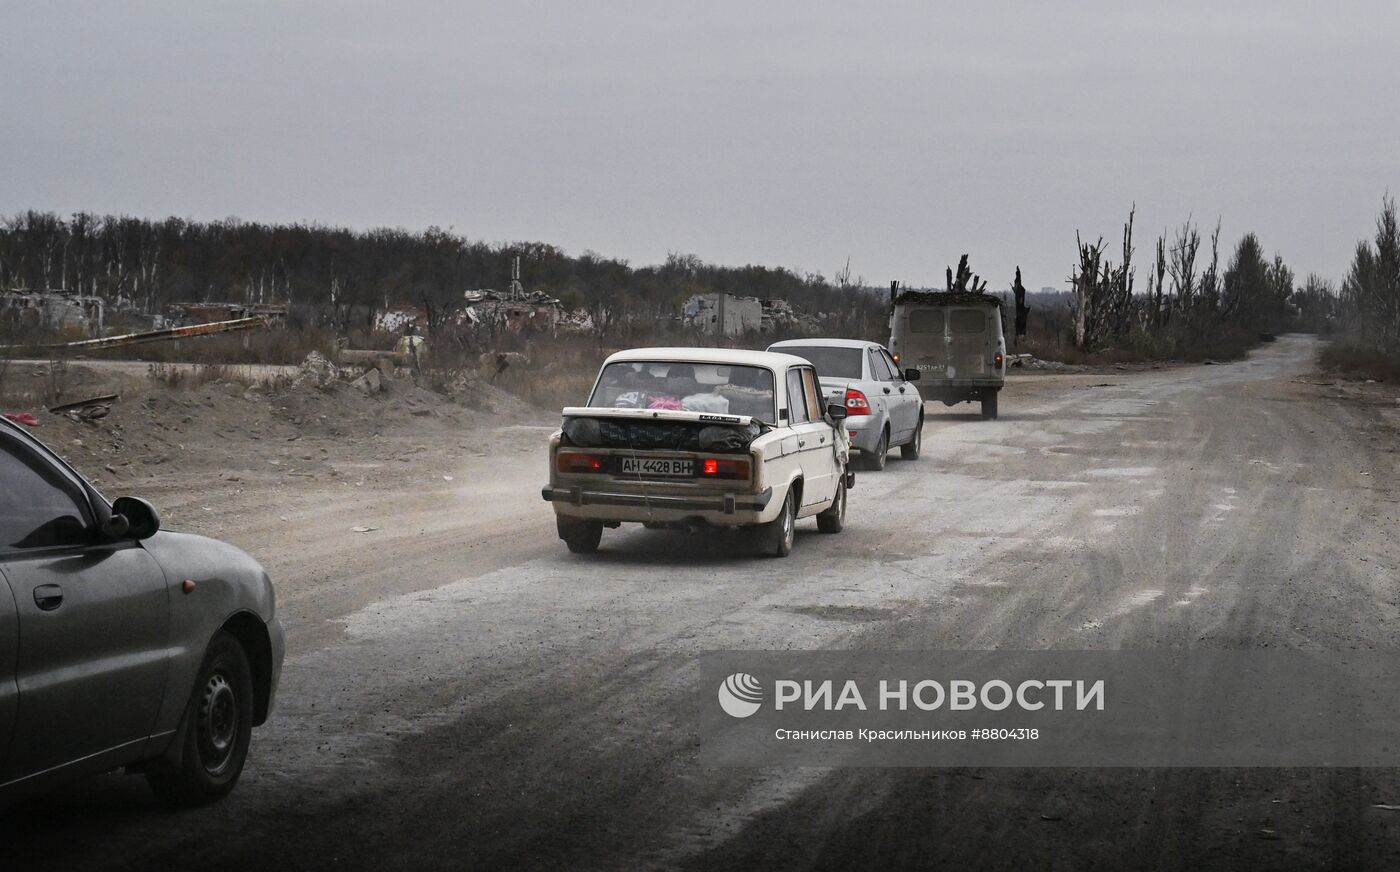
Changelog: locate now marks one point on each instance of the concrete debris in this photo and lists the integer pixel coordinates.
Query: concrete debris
(87, 411)
(1030, 361)
(369, 383)
(104, 400)
(317, 371)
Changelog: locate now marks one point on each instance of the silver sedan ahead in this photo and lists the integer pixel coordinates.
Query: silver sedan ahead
(883, 408)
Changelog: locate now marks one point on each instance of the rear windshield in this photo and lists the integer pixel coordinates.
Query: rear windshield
(967, 321)
(830, 361)
(925, 320)
(716, 388)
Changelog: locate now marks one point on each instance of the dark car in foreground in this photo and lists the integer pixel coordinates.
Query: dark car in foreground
(122, 644)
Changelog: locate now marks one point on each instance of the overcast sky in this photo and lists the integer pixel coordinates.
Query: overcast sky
(783, 133)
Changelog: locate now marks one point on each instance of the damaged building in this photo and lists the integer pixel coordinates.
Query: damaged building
(731, 315)
(534, 310)
(53, 310)
(186, 314)
(723, 314)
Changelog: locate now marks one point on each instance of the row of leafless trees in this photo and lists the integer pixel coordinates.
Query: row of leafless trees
(342, 274)
(1187, 296)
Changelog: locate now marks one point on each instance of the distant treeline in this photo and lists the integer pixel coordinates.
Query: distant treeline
(148, 264)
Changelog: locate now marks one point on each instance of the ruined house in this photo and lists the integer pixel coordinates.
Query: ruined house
(185, 314)
(53, 310)
(739, 315)
(534, 310)
(723, 314)
(398, 316)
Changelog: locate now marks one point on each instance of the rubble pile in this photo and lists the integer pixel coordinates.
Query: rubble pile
(316, 371)
(1030, 361)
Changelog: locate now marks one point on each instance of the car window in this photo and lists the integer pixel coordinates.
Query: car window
(925, 320)
(797, 400)
(893, 367)
(812, 393)
(39, 505)
(831, 361)
(878, 368)
(965, 321)
(717, 388)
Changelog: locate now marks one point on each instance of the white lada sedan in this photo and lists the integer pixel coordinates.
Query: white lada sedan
(687, 437)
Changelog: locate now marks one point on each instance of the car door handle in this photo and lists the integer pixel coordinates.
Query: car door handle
(901, 389)
(801, 443)
(887, 390)
(48, 597)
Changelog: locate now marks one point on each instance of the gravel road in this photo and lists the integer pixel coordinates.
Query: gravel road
(461, 692)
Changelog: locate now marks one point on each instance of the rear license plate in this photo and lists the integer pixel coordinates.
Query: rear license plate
(661, 466)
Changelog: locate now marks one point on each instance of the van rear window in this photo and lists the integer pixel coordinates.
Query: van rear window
(926, 321)
(967, 321)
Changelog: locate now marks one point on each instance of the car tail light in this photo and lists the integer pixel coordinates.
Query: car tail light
(724, 467)
(856, 403)
(570, 461)
(997, 360)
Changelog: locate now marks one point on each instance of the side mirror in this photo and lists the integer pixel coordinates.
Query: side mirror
(836, 411)
(911, 375)
(138, 517)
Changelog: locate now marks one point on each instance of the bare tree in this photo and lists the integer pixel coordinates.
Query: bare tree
(1022, 310)
(1103, 293)
(965, 280)
(1182, 267)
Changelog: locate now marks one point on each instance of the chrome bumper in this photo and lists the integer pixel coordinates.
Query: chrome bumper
(725, 503)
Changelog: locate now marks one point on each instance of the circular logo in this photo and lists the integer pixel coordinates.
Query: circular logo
(740, 695)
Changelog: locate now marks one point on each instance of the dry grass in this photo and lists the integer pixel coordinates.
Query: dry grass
(1138, 347)
(1351, 361)
(189, 376)
(275, 345)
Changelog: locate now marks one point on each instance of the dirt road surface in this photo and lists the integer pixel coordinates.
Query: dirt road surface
(461, 692)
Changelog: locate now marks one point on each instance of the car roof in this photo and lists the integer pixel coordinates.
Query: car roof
(830, 343)
(739, 356)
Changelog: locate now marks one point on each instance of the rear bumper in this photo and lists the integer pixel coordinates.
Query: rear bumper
(721, 508)
(865, 438)
(957, 384)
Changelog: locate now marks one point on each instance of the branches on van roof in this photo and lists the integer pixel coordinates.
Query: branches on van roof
(944, 298)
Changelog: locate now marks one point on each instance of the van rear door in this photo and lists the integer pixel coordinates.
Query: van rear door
(970, 346)
(926, 345)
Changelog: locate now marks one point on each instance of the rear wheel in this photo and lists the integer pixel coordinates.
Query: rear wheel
(582, 537)
(989, 404)
(776, 536)
(910, 449)
(834, 518)
(875, 460)
(215, 732)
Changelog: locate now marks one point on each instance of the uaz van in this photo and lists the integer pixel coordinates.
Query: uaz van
(954, 339)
